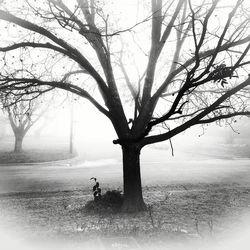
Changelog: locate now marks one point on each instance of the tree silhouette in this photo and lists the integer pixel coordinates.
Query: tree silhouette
(196, 56)
(22, 116)
(3, 125)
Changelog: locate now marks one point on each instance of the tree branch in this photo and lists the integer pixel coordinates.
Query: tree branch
(189, 62)
(35, 45)
(195, 120)
(157, 44)
(71, 52)
(21, 83)
(226, 116)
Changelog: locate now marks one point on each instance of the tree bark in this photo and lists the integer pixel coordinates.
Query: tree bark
(132, 188)
(18, 142)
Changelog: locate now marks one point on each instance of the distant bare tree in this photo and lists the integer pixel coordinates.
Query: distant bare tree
(22, 116)
(196, 71)
(3, 124)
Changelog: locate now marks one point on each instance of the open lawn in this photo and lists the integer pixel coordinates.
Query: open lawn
(193, 204)
(183, 214)
(34, 156)
(35, 150)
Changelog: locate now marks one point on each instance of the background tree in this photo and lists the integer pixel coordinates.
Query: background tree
(3, 125)
(194, 70)
(22, 116)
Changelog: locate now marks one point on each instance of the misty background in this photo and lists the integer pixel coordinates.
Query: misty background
(93, 135)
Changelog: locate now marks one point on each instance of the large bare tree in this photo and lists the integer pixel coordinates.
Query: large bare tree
(182, 63)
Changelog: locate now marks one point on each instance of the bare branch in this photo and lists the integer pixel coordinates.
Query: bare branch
(197, 118)
(26, 83)
(71, 52)
(157, 43)
(226, 116)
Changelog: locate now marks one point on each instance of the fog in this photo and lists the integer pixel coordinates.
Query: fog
(202, 159)
(201, 155)
(93, 134)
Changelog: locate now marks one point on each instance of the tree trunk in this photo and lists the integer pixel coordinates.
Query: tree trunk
(133, 200)
(18, 142)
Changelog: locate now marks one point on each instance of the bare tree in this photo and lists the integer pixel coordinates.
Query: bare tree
(196, 72)
(22, 116)
(3, 125)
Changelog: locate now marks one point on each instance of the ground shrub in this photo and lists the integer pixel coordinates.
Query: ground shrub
(111, 201)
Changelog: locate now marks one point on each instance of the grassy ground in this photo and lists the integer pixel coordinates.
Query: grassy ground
(34, 150)
(32, 156)
(177, 213)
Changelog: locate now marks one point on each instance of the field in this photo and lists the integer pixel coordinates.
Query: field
(200, 202)
(34, 151)
(183, 214)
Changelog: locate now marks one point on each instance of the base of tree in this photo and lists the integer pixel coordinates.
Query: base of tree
(113, 202)
(110, 202)
(131, 207)
(18, 151)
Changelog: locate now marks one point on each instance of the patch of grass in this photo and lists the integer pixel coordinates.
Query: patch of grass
(35, 149)
(33, 156)
(175, 213)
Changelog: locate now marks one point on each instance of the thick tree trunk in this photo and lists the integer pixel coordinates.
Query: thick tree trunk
(133, 200)
(18, 142)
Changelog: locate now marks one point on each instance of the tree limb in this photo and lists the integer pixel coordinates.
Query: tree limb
(195, 120)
